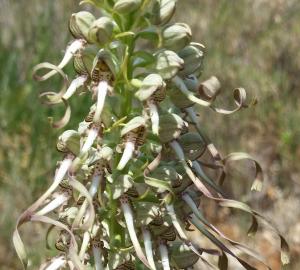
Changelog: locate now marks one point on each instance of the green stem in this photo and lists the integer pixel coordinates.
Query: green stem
(141, 14)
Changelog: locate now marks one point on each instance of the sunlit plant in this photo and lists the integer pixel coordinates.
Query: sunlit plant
(128, 189)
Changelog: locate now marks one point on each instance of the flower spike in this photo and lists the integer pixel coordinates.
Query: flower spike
(132, 176)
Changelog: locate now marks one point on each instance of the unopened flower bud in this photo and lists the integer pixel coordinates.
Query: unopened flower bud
(168, 63)
(170, 128)
(101, 30)
(192, 145)
(126, 6)
(176, 36)
(193, 59)
(191, 83)
(167, 173)
(80, 23)
(83, 61)
(182, 255)
(162, 11)
(150, 85)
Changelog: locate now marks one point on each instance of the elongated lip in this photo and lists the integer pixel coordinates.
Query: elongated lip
(75, 84)
(56, 263)
(55, 203)
(148, 247)
(154, 116)
(127, 155)
(131, 230)
(92, 135)
(74, 47)
(164, 256)
(97, 256)
(102, 89)
(63, 169)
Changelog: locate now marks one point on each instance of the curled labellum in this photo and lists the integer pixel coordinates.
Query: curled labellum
(210, 88)
(176, 36)
(168, 63)
(126, 6)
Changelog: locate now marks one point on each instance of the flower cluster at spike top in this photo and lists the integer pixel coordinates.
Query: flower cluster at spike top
(129, 185)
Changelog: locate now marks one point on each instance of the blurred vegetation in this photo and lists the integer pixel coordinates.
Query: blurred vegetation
(250, 43)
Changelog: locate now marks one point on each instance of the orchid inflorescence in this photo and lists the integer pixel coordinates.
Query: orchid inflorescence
(129, 186)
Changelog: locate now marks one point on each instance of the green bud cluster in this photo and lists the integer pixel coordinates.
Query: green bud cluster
(135, 171)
